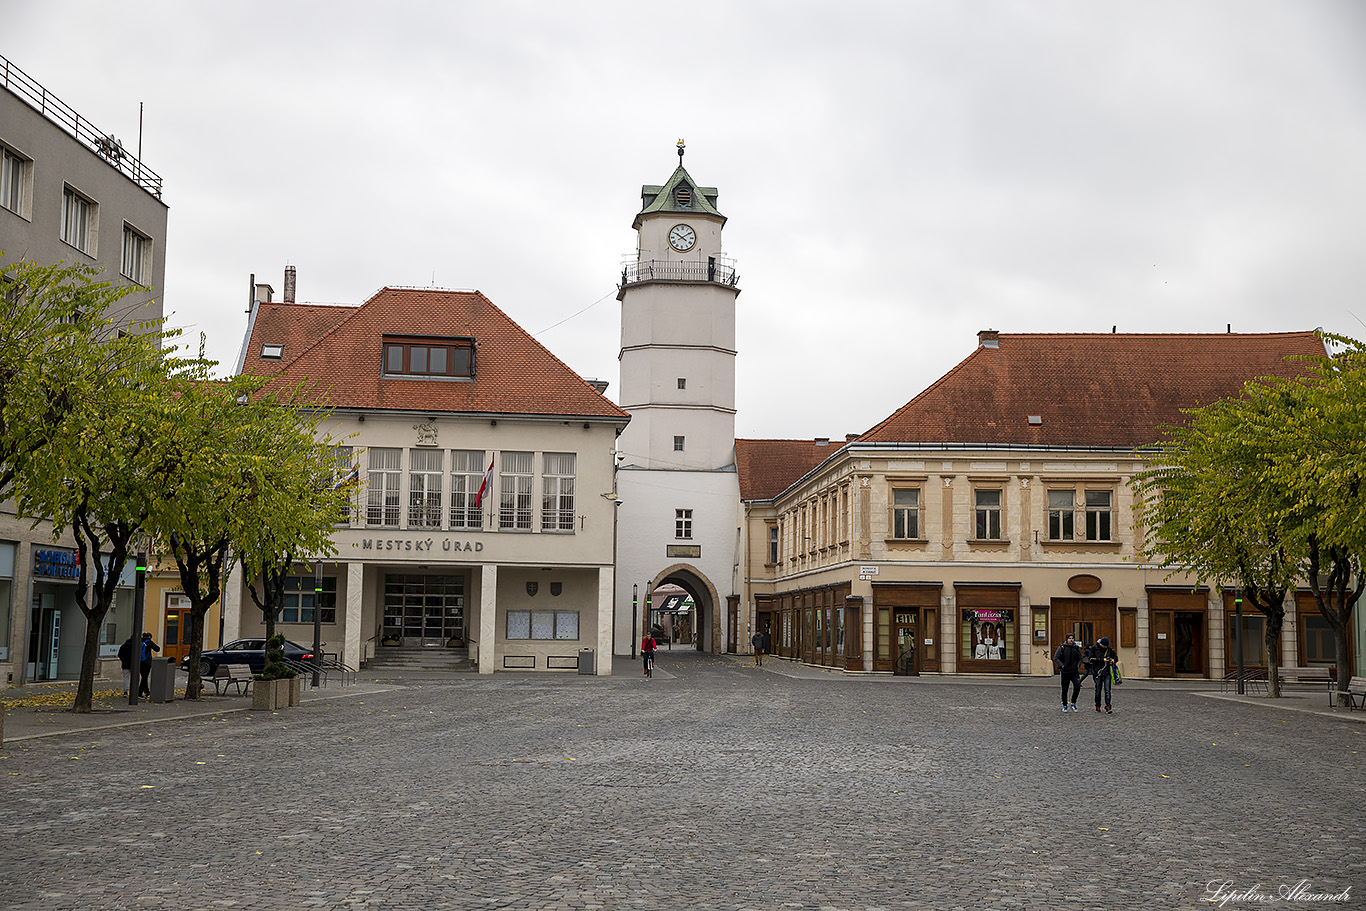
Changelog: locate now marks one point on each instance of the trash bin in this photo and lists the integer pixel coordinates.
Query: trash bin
(161, 680)
(585, 661)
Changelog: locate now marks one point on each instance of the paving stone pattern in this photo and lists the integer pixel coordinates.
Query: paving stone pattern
(712, 786)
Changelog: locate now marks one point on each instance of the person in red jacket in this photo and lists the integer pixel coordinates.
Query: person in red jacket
(647, 651)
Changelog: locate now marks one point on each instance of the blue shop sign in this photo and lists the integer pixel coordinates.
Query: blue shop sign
(56, 564)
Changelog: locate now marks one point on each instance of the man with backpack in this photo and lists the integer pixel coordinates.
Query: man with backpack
(1103, 661)
(1069, 657)
(126, 662)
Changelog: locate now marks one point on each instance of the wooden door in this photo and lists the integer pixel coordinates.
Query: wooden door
(1089, 619)
(882, 639)
(1177, 642)
(1163, 664)
(929, 640)
(853, 638)
(732, 626)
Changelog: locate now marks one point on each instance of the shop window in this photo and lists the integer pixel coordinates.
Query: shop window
(987, 635)
(1317, 636)
(1251, 640)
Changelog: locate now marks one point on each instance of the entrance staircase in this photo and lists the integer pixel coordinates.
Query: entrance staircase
(393, 662)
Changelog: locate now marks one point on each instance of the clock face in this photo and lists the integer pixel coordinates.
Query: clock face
(682, 237)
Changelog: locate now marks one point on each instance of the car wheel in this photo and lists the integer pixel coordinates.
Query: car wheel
(205, 667)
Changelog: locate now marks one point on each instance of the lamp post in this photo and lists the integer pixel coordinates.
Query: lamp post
(635, 616)
(135, 659)
(317, 620)
(1238, 630)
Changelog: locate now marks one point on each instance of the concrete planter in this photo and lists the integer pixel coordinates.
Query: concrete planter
(270, 695)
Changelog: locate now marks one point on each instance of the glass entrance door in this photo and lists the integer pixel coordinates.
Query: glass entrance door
(424, 611)
(44, 638)
(905, 644)
(177, 644)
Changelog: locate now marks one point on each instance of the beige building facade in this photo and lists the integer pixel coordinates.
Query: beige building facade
(915, 548)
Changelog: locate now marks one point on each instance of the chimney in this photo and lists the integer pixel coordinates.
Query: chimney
(290, 281)
(988, 338)
(264, 293)
(851, 437)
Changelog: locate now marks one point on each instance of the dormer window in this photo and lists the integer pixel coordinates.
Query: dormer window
(272, 352)
(434, 358)
(683, 196)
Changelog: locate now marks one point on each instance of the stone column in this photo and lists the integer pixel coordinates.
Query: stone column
(606, 621)
(355, 614)
(488, 617)
(232, 605)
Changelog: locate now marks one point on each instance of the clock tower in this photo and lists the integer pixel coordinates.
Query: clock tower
(677, 478)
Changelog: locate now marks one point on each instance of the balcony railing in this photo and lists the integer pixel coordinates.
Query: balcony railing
(668, 270)
(63, 115)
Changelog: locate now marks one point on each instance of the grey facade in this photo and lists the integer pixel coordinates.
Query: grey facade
(68, 193)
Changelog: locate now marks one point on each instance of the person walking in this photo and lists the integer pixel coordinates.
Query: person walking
(1103, 660)
(148, 646)
(757, 640)
(648, 645)
(1069, 659)
(126, 662)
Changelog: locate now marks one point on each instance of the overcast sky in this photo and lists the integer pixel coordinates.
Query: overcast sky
(896, 175)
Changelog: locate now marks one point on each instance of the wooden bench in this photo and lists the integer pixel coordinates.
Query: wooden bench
(1316, 676)
(1356, 693)
(226, 675)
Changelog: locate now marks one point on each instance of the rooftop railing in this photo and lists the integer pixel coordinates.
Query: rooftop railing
(670, 270)
(24, 86)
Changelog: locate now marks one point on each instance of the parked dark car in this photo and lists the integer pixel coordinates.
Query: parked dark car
(251, 652)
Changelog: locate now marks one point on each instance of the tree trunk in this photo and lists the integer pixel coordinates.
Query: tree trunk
(194, 686)
(1273, 654)
(1343, 668)
(90, 656)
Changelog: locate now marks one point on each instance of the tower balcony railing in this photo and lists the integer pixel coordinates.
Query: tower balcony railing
(713, 269)
(24, 86)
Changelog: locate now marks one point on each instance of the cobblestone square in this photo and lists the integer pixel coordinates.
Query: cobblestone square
(713, 786)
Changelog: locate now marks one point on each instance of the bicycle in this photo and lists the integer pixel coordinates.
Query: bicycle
(650, 664)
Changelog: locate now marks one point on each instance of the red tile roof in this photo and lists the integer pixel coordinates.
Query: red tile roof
(768, 467)
(337, 350)
(1103, 390)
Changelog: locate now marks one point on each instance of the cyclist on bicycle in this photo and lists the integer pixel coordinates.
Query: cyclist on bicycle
(647, 651)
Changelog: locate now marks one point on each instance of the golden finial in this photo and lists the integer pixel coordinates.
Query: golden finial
(681, 146)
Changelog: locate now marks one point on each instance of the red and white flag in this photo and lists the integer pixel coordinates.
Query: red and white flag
(488, 480)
